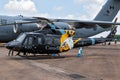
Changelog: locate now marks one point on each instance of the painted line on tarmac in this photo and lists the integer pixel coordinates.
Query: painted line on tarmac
(48, 67)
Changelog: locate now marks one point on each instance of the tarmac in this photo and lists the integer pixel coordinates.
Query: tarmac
(97, 63)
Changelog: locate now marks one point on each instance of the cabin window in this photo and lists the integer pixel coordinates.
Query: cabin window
(35, 40)
(56, 41)
(39, 40)
(49, 41)
(30, 41)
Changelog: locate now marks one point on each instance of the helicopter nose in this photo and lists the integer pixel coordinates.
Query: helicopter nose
(9, 46)
(13, 44)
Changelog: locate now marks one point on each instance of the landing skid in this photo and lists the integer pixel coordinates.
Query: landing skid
(25, 54)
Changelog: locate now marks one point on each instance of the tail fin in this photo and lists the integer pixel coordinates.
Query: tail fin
(113, 30)
(109, 11)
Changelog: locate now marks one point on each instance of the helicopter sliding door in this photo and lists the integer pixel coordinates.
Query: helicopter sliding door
(34, 43)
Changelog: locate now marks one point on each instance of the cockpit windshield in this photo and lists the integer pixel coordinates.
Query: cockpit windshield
(21, 37)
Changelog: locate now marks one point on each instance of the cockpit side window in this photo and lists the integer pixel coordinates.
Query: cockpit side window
(28, 41)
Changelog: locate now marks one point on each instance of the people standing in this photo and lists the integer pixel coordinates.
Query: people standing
(80, 52)
(115, 41)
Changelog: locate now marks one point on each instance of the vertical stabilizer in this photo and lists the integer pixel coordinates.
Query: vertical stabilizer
(108, 11)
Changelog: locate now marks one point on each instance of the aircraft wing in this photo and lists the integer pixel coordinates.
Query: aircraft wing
(81, 23)
(87, 22)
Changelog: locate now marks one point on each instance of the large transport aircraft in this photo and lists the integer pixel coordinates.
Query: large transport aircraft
(11, 27)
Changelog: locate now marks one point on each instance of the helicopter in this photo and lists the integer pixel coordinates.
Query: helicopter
(52, 41)
(42, 42)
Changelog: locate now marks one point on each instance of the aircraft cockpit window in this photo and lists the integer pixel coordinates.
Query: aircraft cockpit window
(28, 42)
(21, 38)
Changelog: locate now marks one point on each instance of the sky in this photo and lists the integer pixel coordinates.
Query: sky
(67, 9)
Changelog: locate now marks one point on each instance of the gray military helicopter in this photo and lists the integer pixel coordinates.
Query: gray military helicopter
(52, 41)
(42, 41)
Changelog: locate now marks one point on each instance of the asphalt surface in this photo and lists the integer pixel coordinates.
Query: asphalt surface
(97, 63)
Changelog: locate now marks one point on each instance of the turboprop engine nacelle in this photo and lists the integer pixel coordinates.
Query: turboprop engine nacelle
(63, 25)
(19, 27)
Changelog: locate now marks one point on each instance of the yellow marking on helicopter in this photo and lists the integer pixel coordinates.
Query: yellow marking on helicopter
(75, 41)
(66, 40)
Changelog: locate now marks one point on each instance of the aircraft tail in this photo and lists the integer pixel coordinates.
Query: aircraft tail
(108, 11)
